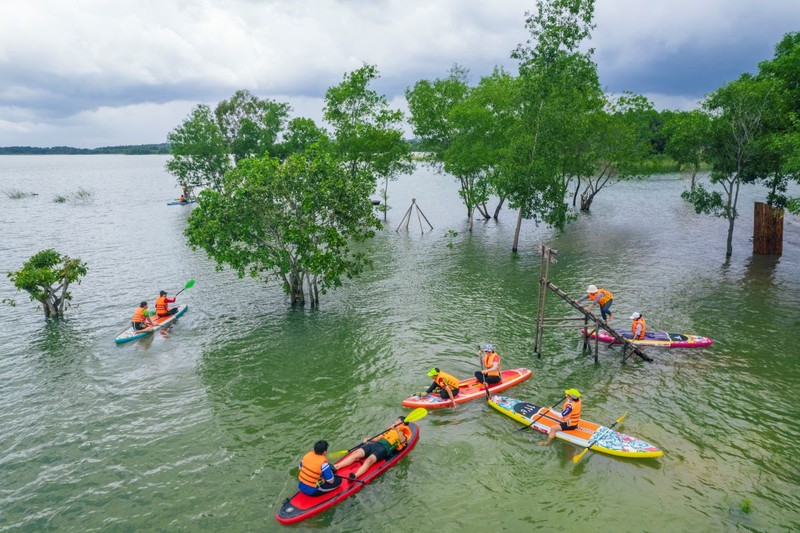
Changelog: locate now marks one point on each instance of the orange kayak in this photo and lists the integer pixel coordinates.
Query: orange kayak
(470, 389)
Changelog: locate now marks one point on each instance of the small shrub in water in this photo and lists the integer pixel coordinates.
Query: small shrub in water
(16, 194)
(747, 506)
(60, 199)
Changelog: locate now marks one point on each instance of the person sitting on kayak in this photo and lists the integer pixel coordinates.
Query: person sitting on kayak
(638, 326)
(447, 385)
(379, 448)
(182, 199)
(140, 320)
(491, 367)
(600, 297)
(571, 414)
(162, 305)
(316, 475)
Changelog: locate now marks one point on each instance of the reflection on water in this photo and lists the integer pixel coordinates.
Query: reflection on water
(197, 427)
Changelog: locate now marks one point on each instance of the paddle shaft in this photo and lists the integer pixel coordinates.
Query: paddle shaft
(350, 479)
(540, 415)
(485, 384)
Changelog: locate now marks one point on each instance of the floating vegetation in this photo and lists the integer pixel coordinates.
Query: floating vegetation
(81, 196)
(16, 194)
(746, 506)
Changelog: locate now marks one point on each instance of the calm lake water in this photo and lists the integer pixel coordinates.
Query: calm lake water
(200, 430)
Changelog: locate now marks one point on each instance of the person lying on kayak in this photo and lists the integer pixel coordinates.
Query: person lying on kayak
(140, 320)
(491, 367)
(638, 326)
(600, 297)
(162, 305)
(316, 475)
(379, 448)
(447, 385)
(571, 414)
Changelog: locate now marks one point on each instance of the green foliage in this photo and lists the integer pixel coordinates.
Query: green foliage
(250, 126)
(60, 199)
(746, 506)
(293, 220)
(706, 202)
(199, 153)
(46, 277)
(686, 135)
(367, 133)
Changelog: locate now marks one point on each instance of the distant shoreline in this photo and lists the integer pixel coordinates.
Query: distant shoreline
(137, 149)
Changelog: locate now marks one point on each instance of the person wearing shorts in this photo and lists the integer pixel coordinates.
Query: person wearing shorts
(378, 449)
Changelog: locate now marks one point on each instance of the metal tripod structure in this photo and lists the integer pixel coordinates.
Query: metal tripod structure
(407, 217)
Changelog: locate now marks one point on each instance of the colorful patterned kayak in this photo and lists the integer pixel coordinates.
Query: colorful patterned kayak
(301, 506)
(470, 389)
(658, 338)
(608, 441)
(130, 335)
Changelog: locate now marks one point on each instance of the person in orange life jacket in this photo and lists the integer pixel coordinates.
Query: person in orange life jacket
(447, 385)
(491, 367)
(600, 297)
(379, 448)
(140, 319)
(638, 326)
(316, 475)
(571, 414)
(182, 199)
(162, 305)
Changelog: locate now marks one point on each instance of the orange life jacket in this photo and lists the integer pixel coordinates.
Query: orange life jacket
(311, 468)
(138, 315)
(162, 307)
(603, 296)
(575, 415)
(443, 378)
(488, 362)
(634, 324)
(392, 436)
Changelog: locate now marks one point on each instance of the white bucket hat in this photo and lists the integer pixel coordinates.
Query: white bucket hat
(634, 316)
(591, 289)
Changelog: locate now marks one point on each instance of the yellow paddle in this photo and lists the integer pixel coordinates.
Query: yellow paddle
(413, 416)
(596, 437)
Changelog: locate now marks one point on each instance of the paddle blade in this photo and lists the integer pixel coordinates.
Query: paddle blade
(416, 414)
(332, 456)
(150, 312)
(621, 418)
(189, 284)
(578, 457)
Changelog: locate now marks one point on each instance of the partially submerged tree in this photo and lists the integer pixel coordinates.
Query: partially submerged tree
(294, 220)
(686, 135)
(200, 157)
(741, 112)
(367, 133)
(46, 277)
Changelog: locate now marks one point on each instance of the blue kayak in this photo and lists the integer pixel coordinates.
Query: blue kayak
(130, 335)
(176, 202)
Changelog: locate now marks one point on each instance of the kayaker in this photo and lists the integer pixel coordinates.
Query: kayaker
(600, 297)
(140, 319)
(316, 475)
(182, 199)
(447, 385)
(491, 367)
(379, 448)
(638, 326)
(162, 305)
(571, 413)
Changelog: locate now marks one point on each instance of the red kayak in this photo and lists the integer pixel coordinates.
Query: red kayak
(470, 389)
(301, 506)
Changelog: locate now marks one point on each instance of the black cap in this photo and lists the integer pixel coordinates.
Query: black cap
(162, 293)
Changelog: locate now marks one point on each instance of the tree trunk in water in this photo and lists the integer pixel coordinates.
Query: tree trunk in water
(767, 230)
(516, 232)
(296, 289)
(586, 202)
(729, 248)
(499, 206)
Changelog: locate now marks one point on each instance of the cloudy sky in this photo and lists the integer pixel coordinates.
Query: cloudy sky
(91, 73)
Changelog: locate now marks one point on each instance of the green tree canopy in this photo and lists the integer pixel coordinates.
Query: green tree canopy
(46, 277)
(295, 220)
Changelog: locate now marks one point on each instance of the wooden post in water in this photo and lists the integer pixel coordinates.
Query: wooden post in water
(767, 229)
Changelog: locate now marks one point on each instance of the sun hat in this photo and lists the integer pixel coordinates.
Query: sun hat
(591, 289)
(634, 316)
(489, 348)
(573, 392)
(433, 372)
